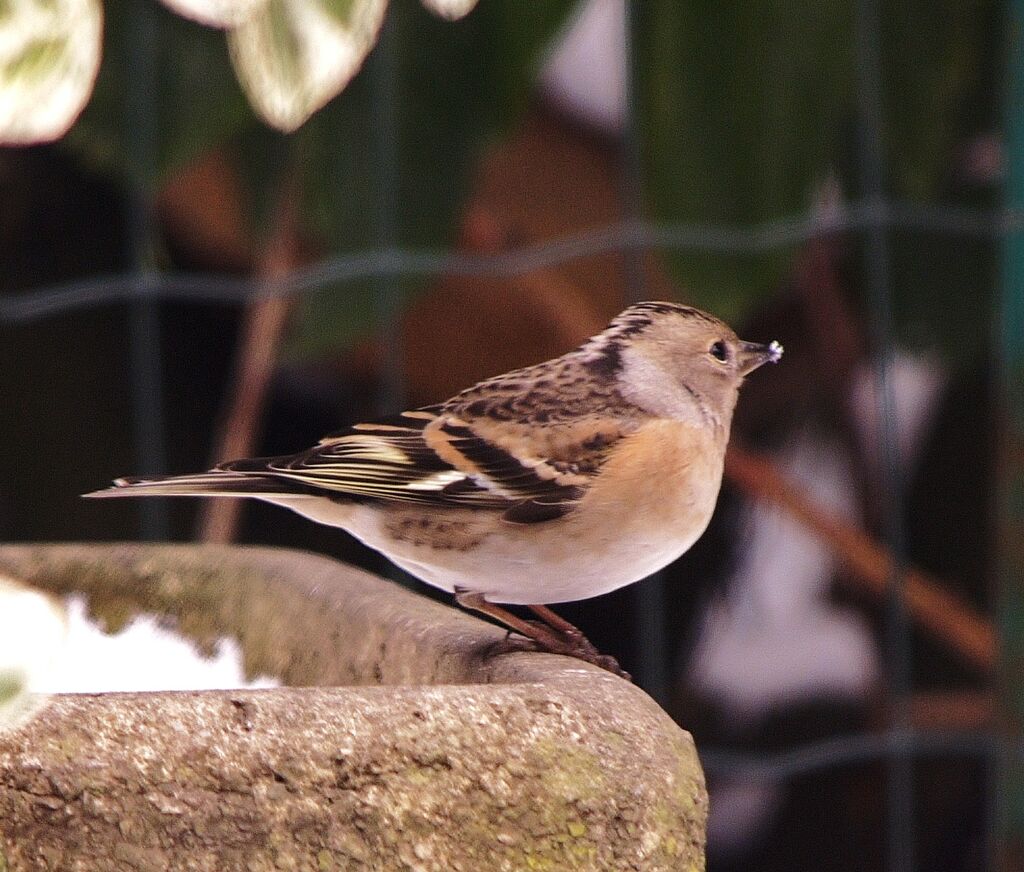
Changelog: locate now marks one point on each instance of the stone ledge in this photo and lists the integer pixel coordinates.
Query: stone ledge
(432, 757)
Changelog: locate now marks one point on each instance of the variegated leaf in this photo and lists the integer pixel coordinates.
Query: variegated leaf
(293, 56)
(215, 13)
(450, 9)
(49, 55)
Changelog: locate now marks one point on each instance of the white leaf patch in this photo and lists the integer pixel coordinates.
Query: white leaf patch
(215, 13)
(450, 9)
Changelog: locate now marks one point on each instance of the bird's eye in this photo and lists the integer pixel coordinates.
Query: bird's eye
(719, 351)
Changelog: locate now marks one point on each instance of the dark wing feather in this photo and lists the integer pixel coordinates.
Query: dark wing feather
(546, 508)
(384, 460)
(527, 443)
(426, 458)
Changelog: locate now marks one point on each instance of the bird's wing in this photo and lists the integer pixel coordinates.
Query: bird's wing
(384, 460)
(432, 456)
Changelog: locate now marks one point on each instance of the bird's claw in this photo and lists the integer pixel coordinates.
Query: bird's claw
(573, 644)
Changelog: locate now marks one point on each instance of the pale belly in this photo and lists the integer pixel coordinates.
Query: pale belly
(554, 568)
(653, 511)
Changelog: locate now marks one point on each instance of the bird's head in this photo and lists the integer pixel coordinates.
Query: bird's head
(676, 361)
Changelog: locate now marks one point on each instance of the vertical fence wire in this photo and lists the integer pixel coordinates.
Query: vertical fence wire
(1007, 844)
(877, 217)
(652, 644)
(877, 280)
(387, 291)
(147, 401)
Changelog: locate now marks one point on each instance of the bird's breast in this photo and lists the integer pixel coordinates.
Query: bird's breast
(664, 479)
(651, 501)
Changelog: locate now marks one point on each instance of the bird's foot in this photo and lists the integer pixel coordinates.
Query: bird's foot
(579, 646)
(551, 634)
(573, 643)
(560, 637)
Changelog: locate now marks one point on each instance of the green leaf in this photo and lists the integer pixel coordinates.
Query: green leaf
(215, 13)
(341, 10)
(453, 88)
(935, 56)
(740, 109)
(745, 108)
(49, 55)
(193, 102)
(293, 56)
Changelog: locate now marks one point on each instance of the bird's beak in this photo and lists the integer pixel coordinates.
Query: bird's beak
(752, 355)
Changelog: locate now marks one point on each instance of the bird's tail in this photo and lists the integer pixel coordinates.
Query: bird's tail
(215, 483)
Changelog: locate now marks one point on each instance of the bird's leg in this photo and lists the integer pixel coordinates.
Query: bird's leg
(552, 633)
(538, 634)
(575, 643)
(561, 626)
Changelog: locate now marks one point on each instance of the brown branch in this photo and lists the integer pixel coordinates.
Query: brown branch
(965, 710)
(929, 602)
(201, 210)
(261, 334)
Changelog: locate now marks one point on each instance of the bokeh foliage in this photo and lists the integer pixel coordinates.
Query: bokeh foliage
(743, 111)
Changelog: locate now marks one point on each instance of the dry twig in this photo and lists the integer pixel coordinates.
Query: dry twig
(943, 614)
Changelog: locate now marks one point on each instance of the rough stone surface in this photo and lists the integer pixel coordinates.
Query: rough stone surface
(435, 757)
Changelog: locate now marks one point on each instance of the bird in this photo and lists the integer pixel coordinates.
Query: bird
(552, 483)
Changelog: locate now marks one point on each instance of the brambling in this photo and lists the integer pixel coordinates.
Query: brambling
(556, 482)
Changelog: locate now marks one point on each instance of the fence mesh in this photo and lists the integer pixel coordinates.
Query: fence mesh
(872, 219)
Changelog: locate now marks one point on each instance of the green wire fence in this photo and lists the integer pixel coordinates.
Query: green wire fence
(873, 218)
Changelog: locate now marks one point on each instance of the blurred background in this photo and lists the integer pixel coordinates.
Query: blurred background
(181, 283)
